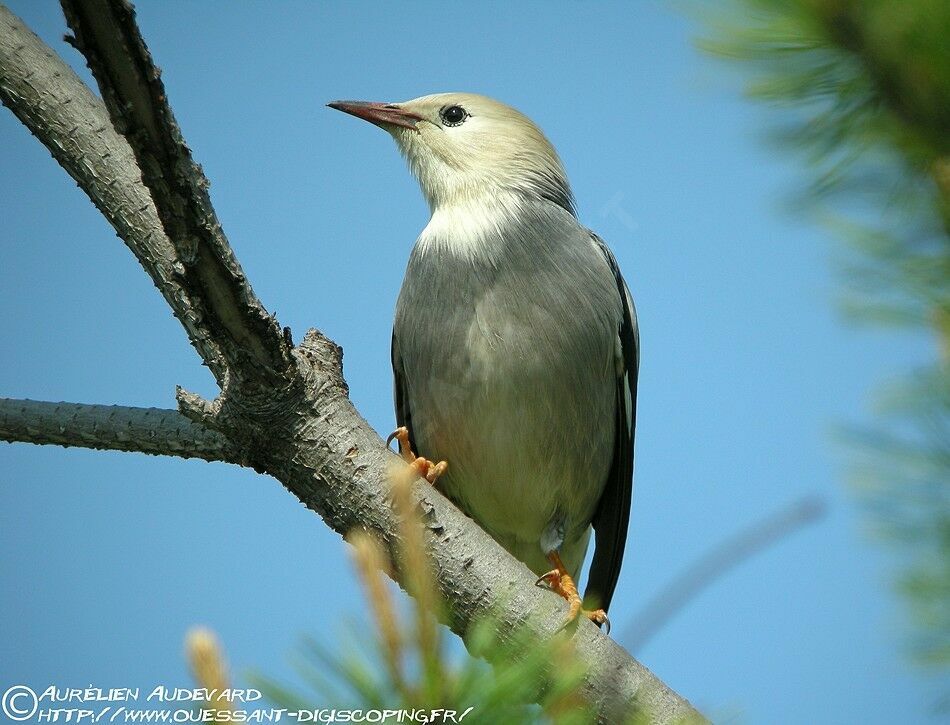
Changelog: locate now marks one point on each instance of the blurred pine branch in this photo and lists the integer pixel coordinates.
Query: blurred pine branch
(210, 671)
(862, 89)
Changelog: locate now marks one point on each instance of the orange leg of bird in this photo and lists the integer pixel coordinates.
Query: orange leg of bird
(561, 582)
(426, 469)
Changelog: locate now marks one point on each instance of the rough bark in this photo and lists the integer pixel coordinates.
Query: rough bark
(72, 123)
(131, 85)
(283, 410)
(112, 428)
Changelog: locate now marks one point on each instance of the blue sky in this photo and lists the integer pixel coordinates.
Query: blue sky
(106, 559)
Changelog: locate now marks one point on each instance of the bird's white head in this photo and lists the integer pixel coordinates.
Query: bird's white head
(465, 148)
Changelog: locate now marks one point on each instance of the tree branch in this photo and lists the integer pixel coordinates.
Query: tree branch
(58, 108)
(300, 426)
(131, 85)
(112, 428)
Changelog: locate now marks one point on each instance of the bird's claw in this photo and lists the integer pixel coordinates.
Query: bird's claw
(562, 584)
(549, 580)
(429, 470)
(598, 617)
(401, 434)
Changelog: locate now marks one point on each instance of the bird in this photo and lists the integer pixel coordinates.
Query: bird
(515, 344)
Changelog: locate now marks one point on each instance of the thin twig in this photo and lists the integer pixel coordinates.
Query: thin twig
(712, 565)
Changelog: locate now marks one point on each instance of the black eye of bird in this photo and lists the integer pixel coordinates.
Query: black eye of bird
(453, 115)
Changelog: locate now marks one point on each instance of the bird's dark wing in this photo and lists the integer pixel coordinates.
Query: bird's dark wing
(613, 510)
(400, 393)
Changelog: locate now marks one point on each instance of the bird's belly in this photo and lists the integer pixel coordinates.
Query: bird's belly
(528, 438)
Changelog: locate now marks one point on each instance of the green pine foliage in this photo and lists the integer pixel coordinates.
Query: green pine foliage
(862, 89)
(480, 693)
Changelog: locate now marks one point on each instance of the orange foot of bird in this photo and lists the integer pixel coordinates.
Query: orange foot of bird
(561, 582)
(426, 469)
